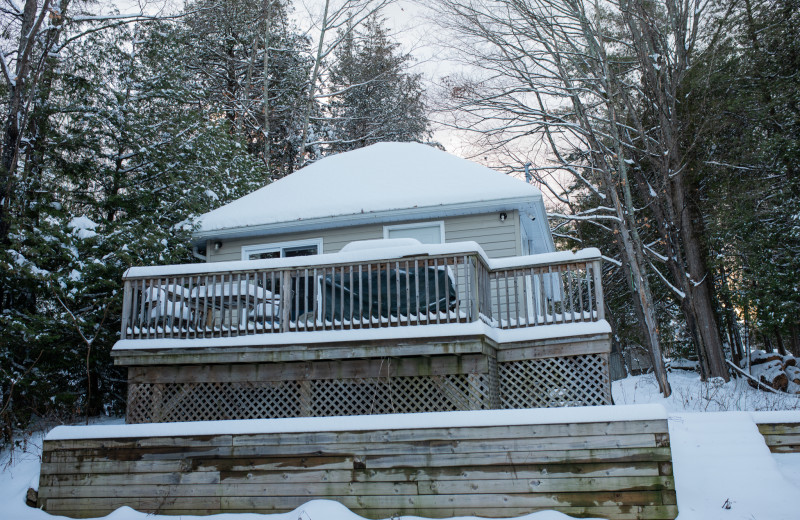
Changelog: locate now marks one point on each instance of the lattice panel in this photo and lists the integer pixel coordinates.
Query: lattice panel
(397, 395)
(212, 401)
(156, 402)
(550, 382)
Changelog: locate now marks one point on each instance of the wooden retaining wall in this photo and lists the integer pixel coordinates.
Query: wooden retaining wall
(781, 437)
(500, 467)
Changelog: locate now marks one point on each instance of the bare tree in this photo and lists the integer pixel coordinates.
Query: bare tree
(340, 19)
(599, 85)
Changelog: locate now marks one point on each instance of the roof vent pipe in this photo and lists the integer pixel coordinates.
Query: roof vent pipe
(528, 176)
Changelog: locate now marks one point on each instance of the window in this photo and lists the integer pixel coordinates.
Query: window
(282, 249)
(425, 232)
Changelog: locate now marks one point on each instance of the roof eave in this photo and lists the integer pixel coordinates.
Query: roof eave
(394, 215)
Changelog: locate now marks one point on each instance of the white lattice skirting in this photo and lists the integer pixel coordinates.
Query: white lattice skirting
(564, 381)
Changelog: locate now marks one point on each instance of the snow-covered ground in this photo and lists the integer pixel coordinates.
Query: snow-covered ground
(723, 469)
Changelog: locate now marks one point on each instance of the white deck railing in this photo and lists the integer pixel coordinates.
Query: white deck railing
(395, 287)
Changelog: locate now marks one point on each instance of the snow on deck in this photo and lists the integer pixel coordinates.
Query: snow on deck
(395, 175)
(443, 330)
(465, 419)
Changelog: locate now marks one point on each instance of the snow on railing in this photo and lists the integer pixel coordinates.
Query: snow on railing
(411, 286)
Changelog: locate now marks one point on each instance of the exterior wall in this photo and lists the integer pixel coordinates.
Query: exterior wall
(498, 239)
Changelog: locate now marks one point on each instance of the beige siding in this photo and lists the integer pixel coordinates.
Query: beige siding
(498, 239)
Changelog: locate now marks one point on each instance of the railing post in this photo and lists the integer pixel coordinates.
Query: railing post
(126, 309)
(597, 272)
(475, 306)
(286, 300)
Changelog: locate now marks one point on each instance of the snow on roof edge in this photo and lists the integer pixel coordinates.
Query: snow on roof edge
(462, 419)
(357, 219)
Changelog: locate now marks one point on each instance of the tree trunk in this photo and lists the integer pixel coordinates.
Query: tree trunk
(267, 40)
(779, 342)
(697, 287)
(795, 347)
(731, 323)
(312, 85)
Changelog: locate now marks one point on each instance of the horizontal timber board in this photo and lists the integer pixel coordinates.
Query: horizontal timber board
(782, 439)
(187, 441)
(212, 476)
(536, 431)
(326, 461)
(311, 352)
(163, 503)
(301, 465)
(604, 502)
(523, 352)
(424, 447)
(658, 426)
(529, 500)
(308, 370)
(563, 341)
(337, 489)
(545, 485)
(779, 428)
(785, 448)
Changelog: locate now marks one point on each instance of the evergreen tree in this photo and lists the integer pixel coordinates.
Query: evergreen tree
(225, 53)
(747, 169)
(129, 158)
(374, 97)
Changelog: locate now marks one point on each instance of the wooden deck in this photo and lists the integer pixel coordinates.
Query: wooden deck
(470, 372)
(441, 328)
(489, 464)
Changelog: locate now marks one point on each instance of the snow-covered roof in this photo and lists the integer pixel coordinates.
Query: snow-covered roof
(367, 182)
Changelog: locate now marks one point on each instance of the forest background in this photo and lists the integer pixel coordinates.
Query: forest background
(663, 132)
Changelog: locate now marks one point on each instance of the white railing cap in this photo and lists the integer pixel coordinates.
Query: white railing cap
(364, 255)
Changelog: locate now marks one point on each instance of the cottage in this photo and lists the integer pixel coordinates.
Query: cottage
(386, 279)
(387, 190)
(394, 279)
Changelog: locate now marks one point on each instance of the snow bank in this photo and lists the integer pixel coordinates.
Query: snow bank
(383, 333)
(395, 175)
(724, 470)
(474, 418)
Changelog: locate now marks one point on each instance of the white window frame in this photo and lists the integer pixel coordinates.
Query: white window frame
(280, 246)
(413, 225)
